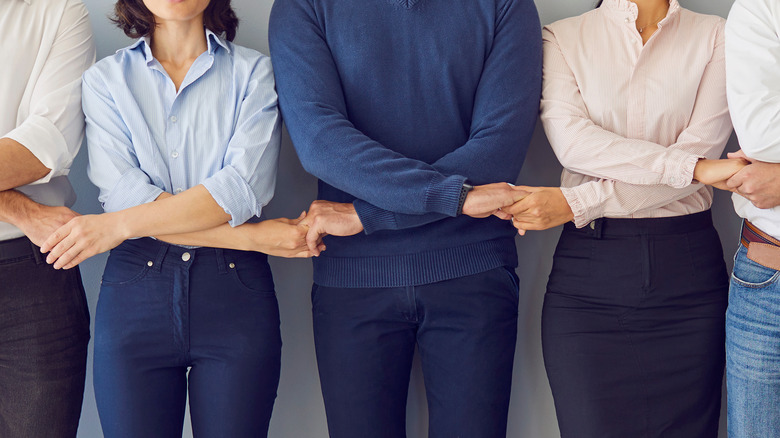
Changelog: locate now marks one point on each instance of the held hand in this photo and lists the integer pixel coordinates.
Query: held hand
(758, 182)
(716, 172)
(280, 237)
(81, 238)
(489, 199)
(329, 218)
(543, 208)
(43, 221)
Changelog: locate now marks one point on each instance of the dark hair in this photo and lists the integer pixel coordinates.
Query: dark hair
(137, 21)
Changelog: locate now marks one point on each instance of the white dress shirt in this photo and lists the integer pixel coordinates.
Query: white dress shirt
(47, 46)
(753, 78)
(629, 121)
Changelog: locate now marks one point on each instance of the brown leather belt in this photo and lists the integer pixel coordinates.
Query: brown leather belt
(762, 248)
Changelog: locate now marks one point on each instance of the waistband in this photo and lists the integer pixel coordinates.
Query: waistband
(156, 253)
(648, 226)
(20, 248)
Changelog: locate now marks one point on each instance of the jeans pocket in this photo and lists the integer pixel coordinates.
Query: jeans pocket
(251, 276)
(514, 281)
(750, 274)
(124, 268)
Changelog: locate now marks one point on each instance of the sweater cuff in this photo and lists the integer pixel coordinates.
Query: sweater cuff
(374, 218)
(584, 203)
(679, 172)
(443, 194)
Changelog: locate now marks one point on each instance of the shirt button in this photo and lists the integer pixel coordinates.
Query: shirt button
(628, 20)
(174, 119)
(175, 154)
(186, 257)
(179, 190)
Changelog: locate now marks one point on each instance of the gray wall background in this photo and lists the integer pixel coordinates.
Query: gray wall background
(299, 411)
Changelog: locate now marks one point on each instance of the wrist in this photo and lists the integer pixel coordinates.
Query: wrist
(464, 193)
(17, 209)
(124, 227)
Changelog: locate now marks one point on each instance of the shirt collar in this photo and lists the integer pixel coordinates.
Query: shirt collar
(625, 9)
(212, 39)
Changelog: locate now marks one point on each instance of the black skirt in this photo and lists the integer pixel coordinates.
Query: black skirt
(633, 328)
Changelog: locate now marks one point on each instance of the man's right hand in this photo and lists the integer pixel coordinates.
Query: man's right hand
(488, 199)
(38, 221)
(329, 218)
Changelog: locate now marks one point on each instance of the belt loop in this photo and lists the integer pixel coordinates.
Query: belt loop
(37, 254)
(598, 229)
(221, 264)
(161, 251)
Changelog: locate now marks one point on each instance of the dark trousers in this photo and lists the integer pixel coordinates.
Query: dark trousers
(633, 328)
(465, 330)
(165, 310)
(44, 332)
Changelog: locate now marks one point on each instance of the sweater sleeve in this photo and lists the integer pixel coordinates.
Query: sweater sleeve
(504, 115)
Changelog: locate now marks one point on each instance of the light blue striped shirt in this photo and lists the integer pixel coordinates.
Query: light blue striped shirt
(222, 129)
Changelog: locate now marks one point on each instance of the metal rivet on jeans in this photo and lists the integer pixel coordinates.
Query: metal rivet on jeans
(150, 263)
(232, 265)
(185, 257)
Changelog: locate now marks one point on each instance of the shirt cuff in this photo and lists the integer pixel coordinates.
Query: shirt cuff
(584, 203)
(679, 172)
(374, 218)
(46, 142)
(234, 195)
(443, 194)
(132, 189)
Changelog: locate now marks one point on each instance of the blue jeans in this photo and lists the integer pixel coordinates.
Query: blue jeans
(166, 310)
(465, 330)
(753, 350)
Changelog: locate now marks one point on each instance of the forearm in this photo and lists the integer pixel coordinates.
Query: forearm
(16, 208)
(190, 211)
(18, 166)
(222, 236)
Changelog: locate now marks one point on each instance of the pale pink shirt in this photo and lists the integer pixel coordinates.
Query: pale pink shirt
(629, 121)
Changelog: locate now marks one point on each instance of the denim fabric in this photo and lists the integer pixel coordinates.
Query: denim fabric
(465, 330)
(753, 350)
(633, 329)
(44, 332)
(165, 310)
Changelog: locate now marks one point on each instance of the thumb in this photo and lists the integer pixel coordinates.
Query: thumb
(738, 154)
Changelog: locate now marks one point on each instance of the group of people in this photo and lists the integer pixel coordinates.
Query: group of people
(415, 116)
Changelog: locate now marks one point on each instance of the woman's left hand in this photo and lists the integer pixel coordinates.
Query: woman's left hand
(81, 238)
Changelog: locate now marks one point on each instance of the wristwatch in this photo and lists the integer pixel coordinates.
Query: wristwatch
(464, 191)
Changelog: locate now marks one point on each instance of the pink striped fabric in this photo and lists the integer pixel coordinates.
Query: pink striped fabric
(629, 122)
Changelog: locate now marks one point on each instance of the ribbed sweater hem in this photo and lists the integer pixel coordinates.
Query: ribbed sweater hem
(414, 269)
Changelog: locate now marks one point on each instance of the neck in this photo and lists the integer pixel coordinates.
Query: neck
(651, 11)
(179, 41)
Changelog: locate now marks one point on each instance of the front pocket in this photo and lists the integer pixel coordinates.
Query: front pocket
(254, 277)
(750, 274)
(124, 268)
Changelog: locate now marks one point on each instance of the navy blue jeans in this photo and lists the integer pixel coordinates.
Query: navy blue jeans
(465, 330)
(165, 310)
(44, 332)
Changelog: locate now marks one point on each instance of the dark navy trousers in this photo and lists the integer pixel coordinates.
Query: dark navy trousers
(172, 320)
(465, 330)
(633, 328)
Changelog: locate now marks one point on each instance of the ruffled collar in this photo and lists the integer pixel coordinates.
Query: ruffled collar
(628, 9)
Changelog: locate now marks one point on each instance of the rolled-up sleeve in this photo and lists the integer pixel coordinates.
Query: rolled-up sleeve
(113, 165)
(54, 129)
(247, 181)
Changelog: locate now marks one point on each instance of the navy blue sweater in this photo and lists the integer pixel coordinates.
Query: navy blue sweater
(393, 104)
